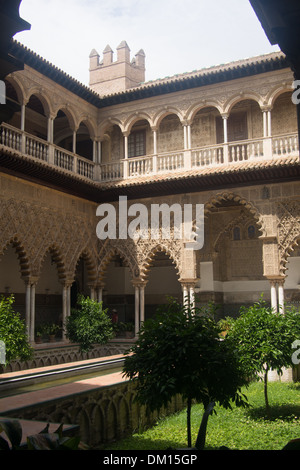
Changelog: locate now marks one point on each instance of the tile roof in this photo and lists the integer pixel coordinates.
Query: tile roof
(198, 78)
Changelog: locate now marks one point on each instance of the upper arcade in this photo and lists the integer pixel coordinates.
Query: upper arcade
(230, 120)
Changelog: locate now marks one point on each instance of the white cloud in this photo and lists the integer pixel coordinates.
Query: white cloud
(177, 36)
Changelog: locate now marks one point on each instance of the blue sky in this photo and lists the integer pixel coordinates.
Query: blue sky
(176, 36)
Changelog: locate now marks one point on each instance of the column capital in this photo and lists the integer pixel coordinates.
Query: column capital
(188, 282)
(31, 281)
(139, 282)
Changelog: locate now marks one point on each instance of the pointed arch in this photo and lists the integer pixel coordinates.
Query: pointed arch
(114, 251)
(149, 256)
(57, 258)
(227, 197)
(15, 242)
(90, 263)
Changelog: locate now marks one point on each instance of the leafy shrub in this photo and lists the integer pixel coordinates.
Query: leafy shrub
(88, 324)
(13, 332)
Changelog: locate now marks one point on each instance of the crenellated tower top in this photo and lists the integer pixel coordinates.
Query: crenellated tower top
(108, 76)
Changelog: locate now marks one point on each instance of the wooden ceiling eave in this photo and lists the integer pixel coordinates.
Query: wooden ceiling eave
(41, 173)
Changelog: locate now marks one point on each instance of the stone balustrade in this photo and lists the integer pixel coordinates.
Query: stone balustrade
(185, 160)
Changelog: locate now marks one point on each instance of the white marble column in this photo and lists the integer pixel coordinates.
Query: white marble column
(100, 294)
(225, 134)
(142, 304)
(269, 123)
(28, 306)
(273, 296)
(192, 297)
(265, 123)
(137, 310)
(126, 146)
(185, 294)
(281, 296)
(32, 311)
(74, 141)
(23, 114)
(189, 137)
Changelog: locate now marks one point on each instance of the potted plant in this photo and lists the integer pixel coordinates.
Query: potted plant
(52, 329)
(129, 330)
(38, 334)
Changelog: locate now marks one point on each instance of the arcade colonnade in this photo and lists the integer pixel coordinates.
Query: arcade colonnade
(46, 244)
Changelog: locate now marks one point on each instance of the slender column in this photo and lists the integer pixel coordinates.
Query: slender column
(154, 141)
(50, 130)
(225, 128)
(95, 151)
(64, 306)
(93, 292)
(192, 297)
(281, 296)
(185, 140)
(74, 141)
(189, 136)
(142, 304)
(28, 305)
(23, 112)
(32, 312)
(265, 123)
(225, 132)
(125, 163)
(68, 300)
(269, 123)
(99, 151)
(185, 295)
(100, 294)
(125, 145)
(137, 310)
(273, 296)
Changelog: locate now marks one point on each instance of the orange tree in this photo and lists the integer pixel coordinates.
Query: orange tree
(180, 352)
(264, 340)
(13, 336)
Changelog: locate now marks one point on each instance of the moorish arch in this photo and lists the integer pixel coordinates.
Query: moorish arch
(234, 199)
(21, 252)
(110, 252)
(287, 253)
(83, 276)
(232, 263)
(56, 257)
(172, 250)
(160, 277)
(288, 231)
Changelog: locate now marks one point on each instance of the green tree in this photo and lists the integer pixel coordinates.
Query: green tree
(13, 332)
(88, 324)
(180, 352)
(264, 340)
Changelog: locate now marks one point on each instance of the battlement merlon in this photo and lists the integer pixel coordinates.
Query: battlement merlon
(109, 76)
